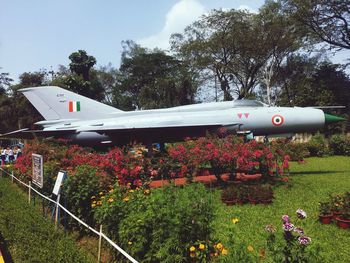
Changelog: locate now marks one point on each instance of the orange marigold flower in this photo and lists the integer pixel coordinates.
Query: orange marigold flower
(110, 200)
(126, 199)
(192, 255)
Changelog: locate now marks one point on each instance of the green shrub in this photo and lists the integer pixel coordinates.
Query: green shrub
(160, 226)
(340, 144)
(296, 151)
(78, 188)
(51, 169)
(317, 146)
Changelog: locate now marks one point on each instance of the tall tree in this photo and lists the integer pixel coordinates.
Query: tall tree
(234, 46)
(15, 110)
(5, 82)
(81, 63)
(326, 20)
(153, 79)
(83, 79)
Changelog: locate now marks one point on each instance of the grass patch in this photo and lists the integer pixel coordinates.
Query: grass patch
(28, 235)
(311, 183)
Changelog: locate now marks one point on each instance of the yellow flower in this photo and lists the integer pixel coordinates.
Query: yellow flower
(93, 197)
(192, 254)
(99, 203)
(131, 191)
(100, 193)
(250, 248)
(93, 205)
(111, 191)
(216, 254)
(192, 248)
(110, 200)
(201, 246)
(235, 220)
(126, 199)
(224, 252)
(219, 246)
(129, 243)
(147, 191)
(102, 197)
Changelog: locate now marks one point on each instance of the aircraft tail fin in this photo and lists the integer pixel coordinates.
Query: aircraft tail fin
(55, 103)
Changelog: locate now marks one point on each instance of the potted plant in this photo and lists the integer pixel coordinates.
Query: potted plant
(337, 202)
(252, 193)
(230, 195)
(266, 194)
(326, 214)
(343, 220)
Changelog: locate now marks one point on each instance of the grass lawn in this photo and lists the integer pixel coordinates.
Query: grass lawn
(29, 236)
(310, 183)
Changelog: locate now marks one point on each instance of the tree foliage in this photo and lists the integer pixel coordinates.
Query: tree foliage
(234, 46)
(153, 79)
(15, 110)
(327, 20)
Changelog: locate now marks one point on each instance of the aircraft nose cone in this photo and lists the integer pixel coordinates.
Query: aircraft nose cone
(329, 118)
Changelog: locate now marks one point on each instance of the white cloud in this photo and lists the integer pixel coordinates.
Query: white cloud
(245, 7)
(180, 15)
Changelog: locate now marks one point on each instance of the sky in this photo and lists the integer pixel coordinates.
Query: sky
(41, 34)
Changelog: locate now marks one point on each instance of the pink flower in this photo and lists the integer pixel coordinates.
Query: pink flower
(288, 227)
(301, 214)
(304, 240)
(285, 219)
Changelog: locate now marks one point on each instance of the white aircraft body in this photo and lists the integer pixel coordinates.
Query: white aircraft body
(84, 121)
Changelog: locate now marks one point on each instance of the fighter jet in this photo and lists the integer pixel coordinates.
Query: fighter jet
(87, 122)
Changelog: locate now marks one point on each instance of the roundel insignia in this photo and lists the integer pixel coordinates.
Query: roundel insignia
(277, 120)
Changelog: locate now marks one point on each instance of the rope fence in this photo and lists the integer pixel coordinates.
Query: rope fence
(98, 233)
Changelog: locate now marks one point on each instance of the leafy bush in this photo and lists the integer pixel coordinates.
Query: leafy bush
(79, 187)
(296, 151)
(29, 236)
(161, 225)
(340, 144)
(317, 146)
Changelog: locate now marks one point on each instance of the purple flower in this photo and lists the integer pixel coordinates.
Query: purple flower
(285, 219)
(301, 214)
(270, 228)
(304, 240)
(299, 230)
(288, 227)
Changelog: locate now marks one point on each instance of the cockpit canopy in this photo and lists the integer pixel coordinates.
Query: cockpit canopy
(247, 103)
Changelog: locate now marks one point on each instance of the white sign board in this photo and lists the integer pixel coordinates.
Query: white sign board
(61, 175)
(37, 170)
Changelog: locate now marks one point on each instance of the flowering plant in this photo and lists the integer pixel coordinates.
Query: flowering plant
(205, 251)
(296, 243)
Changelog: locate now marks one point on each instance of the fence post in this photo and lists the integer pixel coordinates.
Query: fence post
(57, 207)
(29, 191)
(99, 246)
